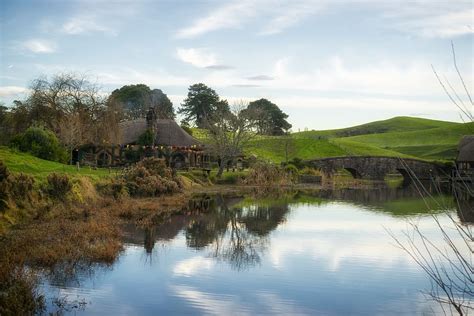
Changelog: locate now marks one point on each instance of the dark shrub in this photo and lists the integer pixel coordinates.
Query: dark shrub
(132, 155)
(21, 186)
(150, 177)
(292, 171)
(266, 174)
(147, 138)
(298, 163)
(17, 188)
(58, 186)
(114, 187)
(4, 186)
(18, 292)
(4, 173)
(41, 143)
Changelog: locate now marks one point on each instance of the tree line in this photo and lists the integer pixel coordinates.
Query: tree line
(76, 111)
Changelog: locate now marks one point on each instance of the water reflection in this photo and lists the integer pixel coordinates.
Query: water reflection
(288, 253)
(235, 228)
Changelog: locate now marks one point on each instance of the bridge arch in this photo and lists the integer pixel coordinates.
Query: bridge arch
(354, 172)
(407, 178)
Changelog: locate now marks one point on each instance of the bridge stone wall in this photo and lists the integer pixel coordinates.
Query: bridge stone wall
(375, 168)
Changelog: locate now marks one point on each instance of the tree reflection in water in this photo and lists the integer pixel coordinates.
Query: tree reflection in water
(235, 228)
(237, 235)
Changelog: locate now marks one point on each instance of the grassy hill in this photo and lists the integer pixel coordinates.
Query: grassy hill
(395, 137)
(396, 124)
(39, 168)
(434, 143)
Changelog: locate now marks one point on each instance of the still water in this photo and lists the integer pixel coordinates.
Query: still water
(324, 252)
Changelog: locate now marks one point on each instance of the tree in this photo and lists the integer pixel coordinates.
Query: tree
(270, 119)
(41, 143)
(163, 106)
(68, 97)
(229, 132)
(201, 103)
(71, 132)
(5, 124)
(137, 99)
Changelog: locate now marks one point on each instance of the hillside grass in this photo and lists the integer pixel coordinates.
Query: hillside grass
(40, 169)
(406, 137)
(396, 124)
(435, 143)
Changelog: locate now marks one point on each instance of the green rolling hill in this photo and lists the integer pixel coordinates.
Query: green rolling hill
(433, 143)
(396, 124)
(396, 137)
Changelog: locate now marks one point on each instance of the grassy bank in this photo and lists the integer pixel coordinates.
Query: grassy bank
(38, 168)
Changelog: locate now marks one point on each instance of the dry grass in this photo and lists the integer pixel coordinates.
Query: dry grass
(74, 233)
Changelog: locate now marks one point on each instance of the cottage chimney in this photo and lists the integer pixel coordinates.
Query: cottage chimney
(151, 119)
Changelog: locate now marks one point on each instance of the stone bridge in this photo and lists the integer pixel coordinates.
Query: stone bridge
(375, 168)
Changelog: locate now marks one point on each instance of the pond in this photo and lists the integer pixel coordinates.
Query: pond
(324, 252)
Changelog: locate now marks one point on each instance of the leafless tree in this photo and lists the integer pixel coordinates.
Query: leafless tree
(76, 109)
(229, 132)
(71, 132)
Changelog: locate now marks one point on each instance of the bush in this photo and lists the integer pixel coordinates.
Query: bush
(311, 171)
(16, 188)
(265, 174)
(231, 178)
(4, 187)
(147, 138)
(41, 143)
(297, 162)
(292, 172)
(21, 186)
(4, 173)
(150, 177)
(58, 185)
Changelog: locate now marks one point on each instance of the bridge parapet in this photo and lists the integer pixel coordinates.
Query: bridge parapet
(376, 168)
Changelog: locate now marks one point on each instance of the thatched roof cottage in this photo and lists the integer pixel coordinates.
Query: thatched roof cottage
(170, 142)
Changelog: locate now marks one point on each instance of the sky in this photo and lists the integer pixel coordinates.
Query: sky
(327, 64)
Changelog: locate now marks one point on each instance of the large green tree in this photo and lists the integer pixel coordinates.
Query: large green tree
(270, 119)
(202, 102)
(137, 99)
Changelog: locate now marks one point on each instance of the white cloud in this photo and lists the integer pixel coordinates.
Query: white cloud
(211, 303)
(39, 46)
(197, 57)
(294, 13)
(231, 15)
(12, 91)
(190, 267)
(435, 22)
(424, 18)
(85, 24)
(275, 16)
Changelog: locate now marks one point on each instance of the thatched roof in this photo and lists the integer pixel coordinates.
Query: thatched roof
(168, 133)
(466, 149)
(131, 130)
